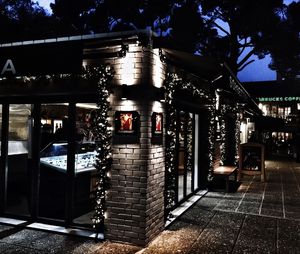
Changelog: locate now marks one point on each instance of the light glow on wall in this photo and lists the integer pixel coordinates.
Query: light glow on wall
(157, 70)
(127, 105)
(129, 73)
(157, 107)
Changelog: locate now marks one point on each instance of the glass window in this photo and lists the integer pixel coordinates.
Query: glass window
(274, 111)
(280, 112)
(196, 151)
(189, 166)
(181, 155)
(85, 183)
(53, 160)
(0, 126)
(19, 153)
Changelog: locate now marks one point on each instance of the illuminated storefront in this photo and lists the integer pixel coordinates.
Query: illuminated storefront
(162, 114)
(280, 104)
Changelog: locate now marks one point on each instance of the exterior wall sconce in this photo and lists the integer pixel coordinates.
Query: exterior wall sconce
(161, 95)
(124, 92)
(123, 51)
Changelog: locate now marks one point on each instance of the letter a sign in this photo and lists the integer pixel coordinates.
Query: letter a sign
(8, 67)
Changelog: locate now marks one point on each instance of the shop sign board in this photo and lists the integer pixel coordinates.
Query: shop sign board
(279, 99)
(252, 160)
(8, 67)
(41, 59)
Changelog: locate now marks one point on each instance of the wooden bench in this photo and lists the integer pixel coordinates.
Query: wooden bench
(226, 172)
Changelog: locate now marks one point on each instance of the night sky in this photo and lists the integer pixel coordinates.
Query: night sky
(257, 71)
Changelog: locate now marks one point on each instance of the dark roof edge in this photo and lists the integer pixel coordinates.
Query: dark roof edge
(111, 35)
(256, 108)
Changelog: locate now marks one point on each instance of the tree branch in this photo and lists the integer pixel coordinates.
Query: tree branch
(246, 64)
(250, 53)
(221, 28)
(243, 47)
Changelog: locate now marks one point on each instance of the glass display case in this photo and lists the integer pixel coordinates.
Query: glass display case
(55, 156)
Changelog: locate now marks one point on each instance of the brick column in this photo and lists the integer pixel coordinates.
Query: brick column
(135, 203)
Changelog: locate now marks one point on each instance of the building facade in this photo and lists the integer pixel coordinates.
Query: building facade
(160, 119)
(280, 104)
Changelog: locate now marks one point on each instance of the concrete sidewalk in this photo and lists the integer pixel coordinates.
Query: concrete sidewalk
(258, 218)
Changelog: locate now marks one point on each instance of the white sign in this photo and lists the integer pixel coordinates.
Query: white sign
(8, 67)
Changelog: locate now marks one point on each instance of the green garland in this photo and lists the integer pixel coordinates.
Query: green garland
(173, 83)
(103, 133)
(237, 137)
(189, 143)
(211, 139)
(225, 109)
(223, 144)
(170, 183)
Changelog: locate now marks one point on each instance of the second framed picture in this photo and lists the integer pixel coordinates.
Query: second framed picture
(157, 128)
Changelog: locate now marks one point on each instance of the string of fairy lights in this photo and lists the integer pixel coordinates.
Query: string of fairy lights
(100, 127)
(103, 133)
(174, 83)
(225, 109)
(223, 143)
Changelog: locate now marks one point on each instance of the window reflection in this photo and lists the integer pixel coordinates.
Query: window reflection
(53, 160)
(19, 153)
(85, 157)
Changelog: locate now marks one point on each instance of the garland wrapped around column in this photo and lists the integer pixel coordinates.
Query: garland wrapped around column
(211, 139)
(237, 137)
(225, 109)
(173, 83)
(170, 182)
(223, 144)
(189, 143)
(103, 135)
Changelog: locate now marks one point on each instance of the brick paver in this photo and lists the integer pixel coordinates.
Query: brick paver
(257, 218)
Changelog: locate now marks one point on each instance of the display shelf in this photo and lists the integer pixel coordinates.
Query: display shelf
(55, 156)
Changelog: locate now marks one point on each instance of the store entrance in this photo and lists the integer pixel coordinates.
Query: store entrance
(47, 162)
(186, 155)
(67, 157)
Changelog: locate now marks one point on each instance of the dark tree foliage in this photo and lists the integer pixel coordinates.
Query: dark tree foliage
(244, 24)
(183, 17)
(229, 30)
(24, 20)
(73, 16)
(286, 51)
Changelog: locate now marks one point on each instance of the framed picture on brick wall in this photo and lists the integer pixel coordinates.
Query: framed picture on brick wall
(157, 128)
(127, 127)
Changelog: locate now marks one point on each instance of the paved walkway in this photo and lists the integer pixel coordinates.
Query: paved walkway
(258, 218)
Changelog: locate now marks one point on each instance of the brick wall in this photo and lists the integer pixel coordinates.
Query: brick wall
(135, 202)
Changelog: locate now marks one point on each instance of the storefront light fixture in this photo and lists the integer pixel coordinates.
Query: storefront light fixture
(124, 92)
(162, 94)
